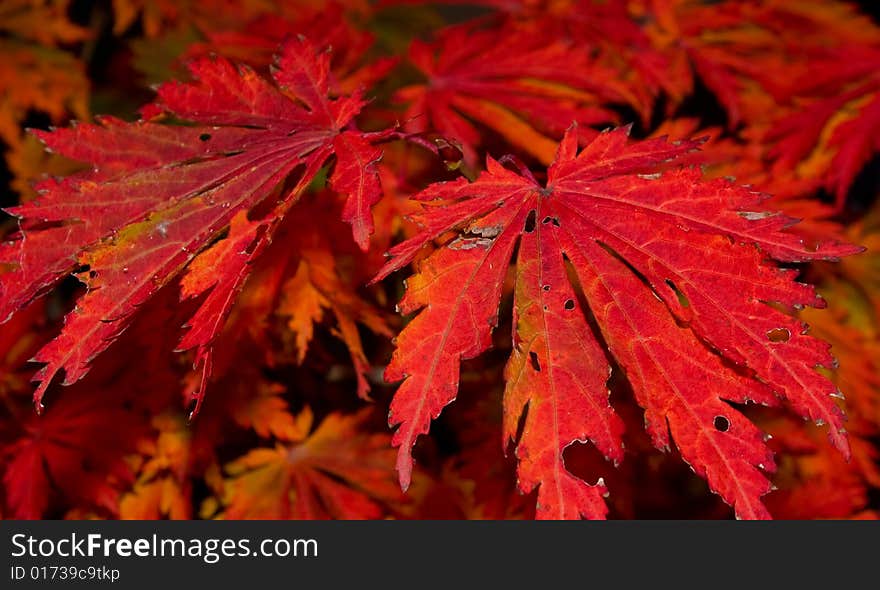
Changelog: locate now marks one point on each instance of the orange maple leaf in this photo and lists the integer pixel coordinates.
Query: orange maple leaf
(340, 471)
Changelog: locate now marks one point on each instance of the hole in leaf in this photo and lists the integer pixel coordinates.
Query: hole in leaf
(682, 299)
(569, 304)
(587, 311)
(253, 245)
(85, 269)
(586, 462)
(204, 136)
(721, 424)
(553, 220)
(778, 335)
(546, 287)
(533, 357)
(450, 153)
(510, 445)
(530, 222)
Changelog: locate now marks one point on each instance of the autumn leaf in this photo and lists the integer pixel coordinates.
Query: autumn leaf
(30, 163)
(732, 48)
(254, 38)
(339, 471)
(834, 132)
(852, 324)
(629, 316)
(290, 296)
(162, 488)
(157, 16)
(158, 195)
(268, 414)
(814, 481)
(77, 450)
(615, 31)
(851, 329)
(746, 160)
(19, 339)
(40, 79)
(525, 87)
(36, 75)
(317, 287)
(481, 471)
(42, 21)
(673, 271)
(255, 44)
(178, 452)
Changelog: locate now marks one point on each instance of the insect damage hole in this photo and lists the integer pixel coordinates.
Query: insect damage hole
(682, 298)
(721, 424)
(778, 335)
(531, 221)
(204, 137)
(533, 357)
(568, 305)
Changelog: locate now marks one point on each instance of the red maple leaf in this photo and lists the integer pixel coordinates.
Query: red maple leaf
(256, 42)
(524, 86)
(157, 195)
(667, 271)
(838, 123)
(338, 471)
(78, 450)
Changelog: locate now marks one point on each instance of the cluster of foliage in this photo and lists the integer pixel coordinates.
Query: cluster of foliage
(608, 227)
